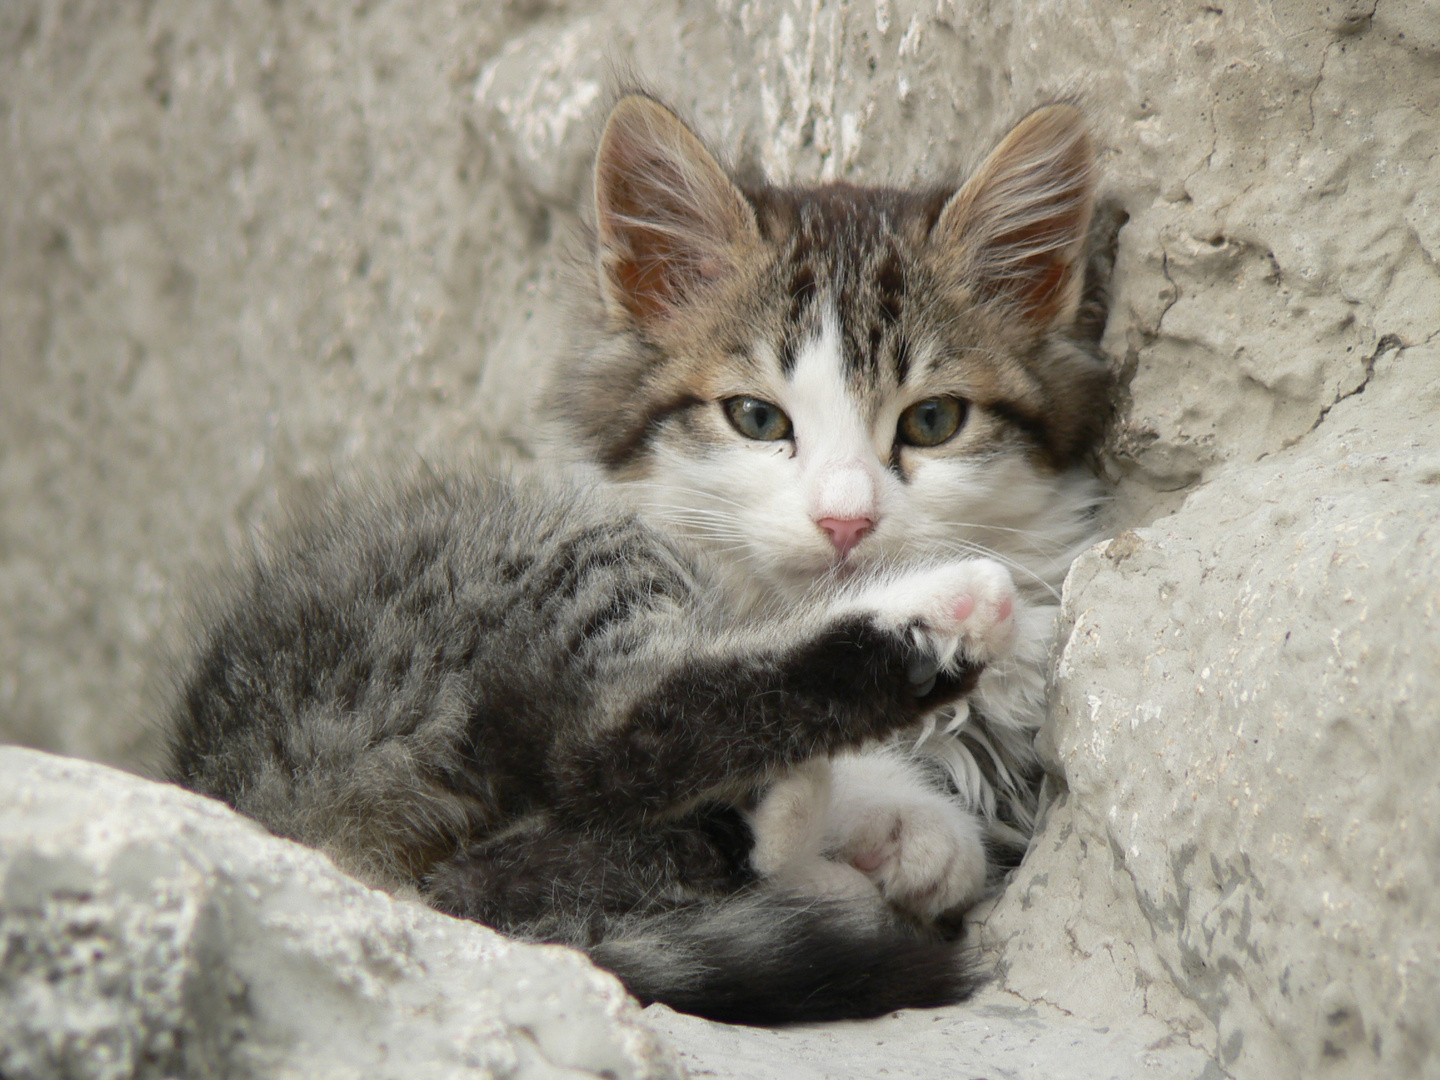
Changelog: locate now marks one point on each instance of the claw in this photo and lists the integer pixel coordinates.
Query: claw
(922, 672)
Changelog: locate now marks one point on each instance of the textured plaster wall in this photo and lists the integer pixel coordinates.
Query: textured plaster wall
(243, 244)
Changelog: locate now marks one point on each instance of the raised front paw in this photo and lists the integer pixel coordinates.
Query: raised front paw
(956, 613)
(886, 653)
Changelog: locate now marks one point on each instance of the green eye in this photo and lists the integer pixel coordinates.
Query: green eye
(756, 419)
(932, 421)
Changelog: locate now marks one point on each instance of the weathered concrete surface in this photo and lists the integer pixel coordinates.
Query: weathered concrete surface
(152, 933)
(242, 242)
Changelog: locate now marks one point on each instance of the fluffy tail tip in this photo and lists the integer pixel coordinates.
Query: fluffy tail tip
(770, 958)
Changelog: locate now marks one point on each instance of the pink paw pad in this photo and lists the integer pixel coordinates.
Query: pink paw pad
(963, 608)
(867, 862)
(1003, 609)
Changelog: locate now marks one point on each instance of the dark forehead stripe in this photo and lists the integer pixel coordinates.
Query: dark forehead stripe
(881, 287)
(787, 354)
(804, 291)
(850, 244)
(890, 287)
(902, 360)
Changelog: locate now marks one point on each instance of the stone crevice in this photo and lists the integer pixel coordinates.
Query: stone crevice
(1387, 343)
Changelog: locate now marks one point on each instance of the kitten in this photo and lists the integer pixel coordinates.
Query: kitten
(663, 705)
(539, 712)
(818, 382)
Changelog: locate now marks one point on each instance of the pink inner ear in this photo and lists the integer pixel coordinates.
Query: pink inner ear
(1018, 226)
(1040, 289)
(659, 248)
(709, 268)
(648, 278)
(668, 215)
(1032, 265)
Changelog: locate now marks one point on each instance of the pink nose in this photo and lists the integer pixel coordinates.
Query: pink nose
(845, 533)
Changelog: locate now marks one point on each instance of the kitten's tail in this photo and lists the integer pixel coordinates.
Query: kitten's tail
(772, 958)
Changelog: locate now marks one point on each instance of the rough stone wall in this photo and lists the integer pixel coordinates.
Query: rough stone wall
(241, 243)
(1245, 712)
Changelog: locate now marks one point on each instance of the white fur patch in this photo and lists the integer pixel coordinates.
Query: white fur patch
(839, 471)
(791, 827)
(921, 849)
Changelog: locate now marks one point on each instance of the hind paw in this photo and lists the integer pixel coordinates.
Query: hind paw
(925, 859)
(910, 838)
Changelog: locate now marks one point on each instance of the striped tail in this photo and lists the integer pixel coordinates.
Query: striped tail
(773, 958)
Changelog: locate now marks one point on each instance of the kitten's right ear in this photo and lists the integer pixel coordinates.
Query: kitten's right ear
(668, 217)
(1016, 231)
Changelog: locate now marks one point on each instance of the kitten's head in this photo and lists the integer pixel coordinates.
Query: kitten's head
(838, 376)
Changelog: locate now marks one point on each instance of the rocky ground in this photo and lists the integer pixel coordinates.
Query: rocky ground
(244, 244)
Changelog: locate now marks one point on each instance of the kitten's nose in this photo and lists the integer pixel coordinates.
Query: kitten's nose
(845, 533)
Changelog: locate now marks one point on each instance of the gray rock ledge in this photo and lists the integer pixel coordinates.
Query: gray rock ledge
(150, 932)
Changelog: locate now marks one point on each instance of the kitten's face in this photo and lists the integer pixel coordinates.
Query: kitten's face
(820, 379)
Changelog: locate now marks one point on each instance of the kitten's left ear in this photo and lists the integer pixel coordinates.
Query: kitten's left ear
(669, 219)
(1016, 231)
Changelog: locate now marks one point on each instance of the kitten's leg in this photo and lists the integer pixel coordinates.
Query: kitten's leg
(545, 880)
(974, 599)
(733, 709)
(887, 819)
